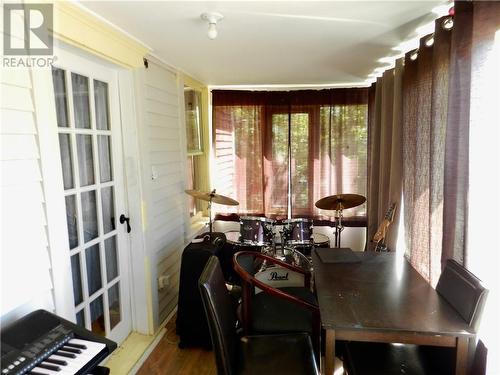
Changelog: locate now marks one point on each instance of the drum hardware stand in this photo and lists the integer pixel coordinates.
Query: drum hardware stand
(280, 254)
(211, 197)
(338, 225)
(212, 194)
(339, 202)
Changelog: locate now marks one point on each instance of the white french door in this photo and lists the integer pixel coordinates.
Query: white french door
(89, 130)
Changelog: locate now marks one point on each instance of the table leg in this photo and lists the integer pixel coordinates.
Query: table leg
(462, 355)
(330, 352)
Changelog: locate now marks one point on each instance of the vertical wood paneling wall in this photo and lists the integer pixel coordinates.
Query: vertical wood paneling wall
(162, 142)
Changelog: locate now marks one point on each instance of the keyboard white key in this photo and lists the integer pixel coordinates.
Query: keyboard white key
(73, 365)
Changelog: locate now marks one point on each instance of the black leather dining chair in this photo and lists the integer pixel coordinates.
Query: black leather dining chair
(277, 310)
(263, 354)
(464, 292)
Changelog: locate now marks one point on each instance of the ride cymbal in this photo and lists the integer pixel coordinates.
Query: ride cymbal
(210, 196)
(340, 201)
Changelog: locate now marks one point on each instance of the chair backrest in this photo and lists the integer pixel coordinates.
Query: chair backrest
(220, 315)
(464, 291)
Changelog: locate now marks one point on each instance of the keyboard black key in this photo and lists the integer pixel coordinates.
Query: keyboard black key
(49, 367)
(56, 361)
(77, 346)
(71, 350)
(65, 354)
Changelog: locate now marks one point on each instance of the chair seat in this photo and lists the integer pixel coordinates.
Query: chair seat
(365, 358)
(277, 354)
(271, 314)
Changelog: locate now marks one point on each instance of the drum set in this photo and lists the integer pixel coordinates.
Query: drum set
(290, 240)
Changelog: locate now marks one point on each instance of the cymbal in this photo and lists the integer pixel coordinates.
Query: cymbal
(336, 202)
(215, 198)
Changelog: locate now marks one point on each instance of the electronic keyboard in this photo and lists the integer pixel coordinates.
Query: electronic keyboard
(43, 343)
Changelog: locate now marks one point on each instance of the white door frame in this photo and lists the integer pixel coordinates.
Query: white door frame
(53, 188)
(140, 264)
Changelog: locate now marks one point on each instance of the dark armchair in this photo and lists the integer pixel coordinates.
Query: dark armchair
(267, 354)
(277, 310)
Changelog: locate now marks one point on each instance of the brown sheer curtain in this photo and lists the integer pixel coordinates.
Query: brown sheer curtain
(425, 103)
(312, 143)
(385, 156)
(238, 147)
(341, 154)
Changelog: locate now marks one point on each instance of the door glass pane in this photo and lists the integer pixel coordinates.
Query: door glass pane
(58, 78)
(85, 159)
(97, 316)
(111, 258)
(66, 160)
(104, 143)
(71, 221)
(80, 318)
(77, 279)
(101, 105)
(114, 305)
(93, 262)
(89, 216)
(81, 100)
(108, 209)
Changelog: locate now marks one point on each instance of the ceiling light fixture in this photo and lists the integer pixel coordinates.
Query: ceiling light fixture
(212, 18)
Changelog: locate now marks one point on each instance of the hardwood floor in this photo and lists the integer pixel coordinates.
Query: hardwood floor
(167, 358)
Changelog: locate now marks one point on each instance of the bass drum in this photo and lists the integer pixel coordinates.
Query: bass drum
(289, 255)
(279, 277)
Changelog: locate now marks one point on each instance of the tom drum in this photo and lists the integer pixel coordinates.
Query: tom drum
(256, 231)
(298, 231)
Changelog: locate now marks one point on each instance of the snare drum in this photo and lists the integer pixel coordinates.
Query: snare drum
(256, 231)
(319, 240)
(233, 238)
(299, 231)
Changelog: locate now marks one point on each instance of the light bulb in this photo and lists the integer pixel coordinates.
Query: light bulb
(212, 31)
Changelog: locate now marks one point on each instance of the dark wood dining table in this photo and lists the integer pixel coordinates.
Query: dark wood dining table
(382, 298)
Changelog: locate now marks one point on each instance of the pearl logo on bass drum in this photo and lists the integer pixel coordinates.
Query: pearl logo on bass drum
(275, 276)
(279, 277)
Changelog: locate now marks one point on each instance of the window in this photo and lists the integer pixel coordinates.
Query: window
(194, 144)
(192, 105)
(277, 153)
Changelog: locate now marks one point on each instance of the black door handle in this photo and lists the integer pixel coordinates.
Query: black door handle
(123, 219)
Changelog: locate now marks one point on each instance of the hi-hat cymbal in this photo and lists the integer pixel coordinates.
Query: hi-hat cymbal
(215, 198)
(336, 202)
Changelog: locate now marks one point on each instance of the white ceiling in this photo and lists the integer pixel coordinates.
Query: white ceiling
(272, 42)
